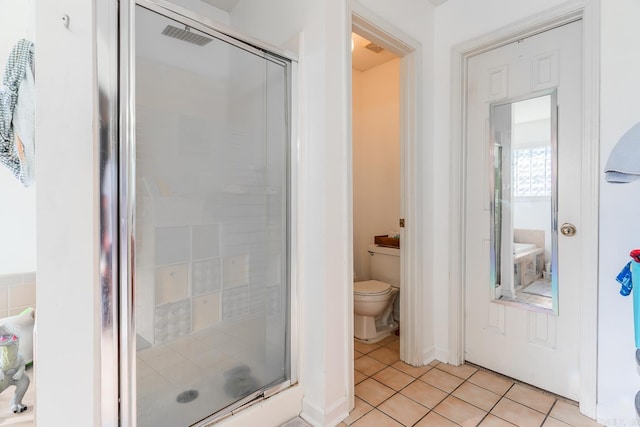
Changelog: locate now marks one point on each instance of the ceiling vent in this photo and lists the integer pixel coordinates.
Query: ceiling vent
(185, 35)
(374, 47)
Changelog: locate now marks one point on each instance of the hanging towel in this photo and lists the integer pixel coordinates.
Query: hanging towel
(18, 155)
(623, 164)
(24, 125)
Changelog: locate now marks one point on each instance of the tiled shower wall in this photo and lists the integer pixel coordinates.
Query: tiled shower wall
(210, 273)
(17, 292)
(211, 196)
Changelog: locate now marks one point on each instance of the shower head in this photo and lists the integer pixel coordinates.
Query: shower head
(185, 35)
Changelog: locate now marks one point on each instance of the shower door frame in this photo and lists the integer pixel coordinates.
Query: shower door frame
(115, 72)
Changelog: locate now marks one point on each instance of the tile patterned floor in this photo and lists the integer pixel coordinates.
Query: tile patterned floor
(532, 299)
(392, 393)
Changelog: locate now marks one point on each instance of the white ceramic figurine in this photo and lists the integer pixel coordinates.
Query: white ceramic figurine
(12, 369)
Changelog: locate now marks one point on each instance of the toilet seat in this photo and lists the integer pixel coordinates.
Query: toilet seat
(371, 288)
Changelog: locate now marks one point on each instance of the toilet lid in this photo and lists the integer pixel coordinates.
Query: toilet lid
(371, 287)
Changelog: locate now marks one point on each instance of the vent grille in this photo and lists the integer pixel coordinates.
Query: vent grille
(185, 35)
(374, 47)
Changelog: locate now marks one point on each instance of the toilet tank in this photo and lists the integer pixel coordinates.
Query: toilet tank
(385, 264)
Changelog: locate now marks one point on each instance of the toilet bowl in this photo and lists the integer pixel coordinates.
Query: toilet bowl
(373, 303)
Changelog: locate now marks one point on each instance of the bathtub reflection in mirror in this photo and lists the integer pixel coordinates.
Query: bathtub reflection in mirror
(523, 206)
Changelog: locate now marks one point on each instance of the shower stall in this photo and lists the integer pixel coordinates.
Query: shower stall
(200, 272)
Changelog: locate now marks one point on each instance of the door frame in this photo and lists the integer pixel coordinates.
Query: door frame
(589, 12)
(377, 29)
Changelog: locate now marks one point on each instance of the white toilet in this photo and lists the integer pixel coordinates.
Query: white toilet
(374, 300)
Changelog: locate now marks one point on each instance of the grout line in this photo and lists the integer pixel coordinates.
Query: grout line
(398, 392)
(388, 415)
(410, 398)
(496, 404)
(451, 395)
(448, 394)
(544, 392)
(549, 413)
(352, 422)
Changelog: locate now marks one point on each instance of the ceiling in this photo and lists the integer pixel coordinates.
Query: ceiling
(226, 5)
(363, 59)
(533, 109)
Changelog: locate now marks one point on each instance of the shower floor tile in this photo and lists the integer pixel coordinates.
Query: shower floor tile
(186, 378)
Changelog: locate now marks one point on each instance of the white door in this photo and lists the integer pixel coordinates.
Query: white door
(526, 342)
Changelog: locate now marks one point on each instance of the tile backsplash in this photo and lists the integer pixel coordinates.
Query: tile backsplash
(17, 292)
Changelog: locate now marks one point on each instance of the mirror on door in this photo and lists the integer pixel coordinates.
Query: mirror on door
(523, 153)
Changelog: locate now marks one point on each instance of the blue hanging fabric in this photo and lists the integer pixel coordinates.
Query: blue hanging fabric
(629, 275)
(625, 280)
(635, 273)
(17, 152)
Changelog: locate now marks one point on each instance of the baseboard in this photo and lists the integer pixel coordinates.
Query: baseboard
(311, 413)
(337, 412)
(433, 353)
(428, 355)
(330, 416)
(442, 355)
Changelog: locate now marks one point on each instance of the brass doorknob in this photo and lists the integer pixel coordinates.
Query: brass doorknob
(568, 229)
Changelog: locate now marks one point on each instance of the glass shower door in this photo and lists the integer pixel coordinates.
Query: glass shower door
(211, 282)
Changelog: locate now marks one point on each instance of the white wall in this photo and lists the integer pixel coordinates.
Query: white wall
(17, 293)
(204, 9)
(18, 203)
(67, 216)
(532, 133)
(376, 158)
(618, 379)
(533, 213)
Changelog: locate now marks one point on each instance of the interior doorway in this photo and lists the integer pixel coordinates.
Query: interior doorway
(408, 51)
(375, 81)
(588, 153)
(533, 108)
